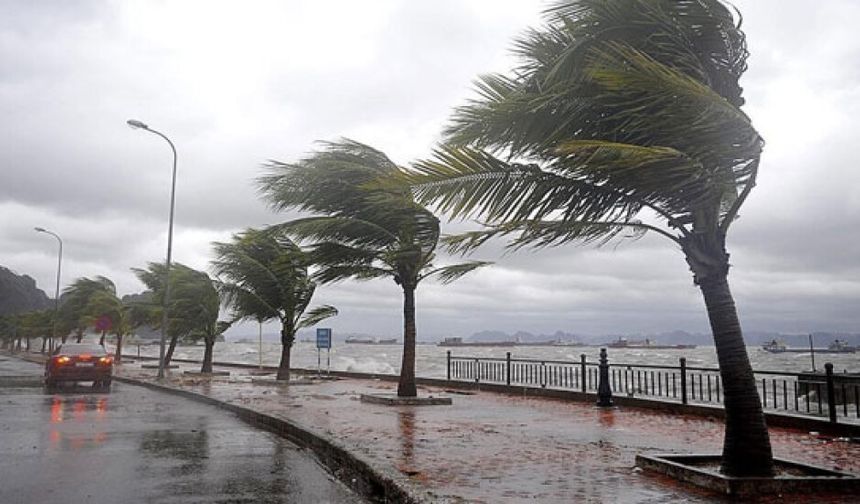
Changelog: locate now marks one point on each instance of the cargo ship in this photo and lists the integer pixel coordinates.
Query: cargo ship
(645, 344)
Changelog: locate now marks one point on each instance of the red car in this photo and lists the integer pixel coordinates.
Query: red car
(74, 362)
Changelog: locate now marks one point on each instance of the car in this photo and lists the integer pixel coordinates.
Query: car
(76, 362)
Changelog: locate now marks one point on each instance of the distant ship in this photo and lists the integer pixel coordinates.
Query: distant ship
(371, 341)
(646, 344)
(838, 346)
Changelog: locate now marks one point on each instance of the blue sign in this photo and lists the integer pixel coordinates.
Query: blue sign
(323, 338)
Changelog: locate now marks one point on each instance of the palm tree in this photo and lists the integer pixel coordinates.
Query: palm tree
(74, 312)
(367, 225)
(623, 118)
(193, 305)
(106, 310)
(196, 304)
(265, 277)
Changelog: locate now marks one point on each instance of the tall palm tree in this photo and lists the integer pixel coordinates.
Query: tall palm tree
(366, 225)
(265, 277)
(624, 118)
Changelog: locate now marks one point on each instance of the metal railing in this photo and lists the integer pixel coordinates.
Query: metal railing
(828, 394)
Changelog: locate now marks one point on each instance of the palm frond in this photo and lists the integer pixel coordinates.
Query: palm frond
(448, 274)
(465, 182)
(316, 315)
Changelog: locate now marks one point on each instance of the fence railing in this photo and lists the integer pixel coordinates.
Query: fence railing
(823, 394)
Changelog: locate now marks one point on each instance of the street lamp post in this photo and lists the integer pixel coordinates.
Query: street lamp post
(57, 291)
(139, 125)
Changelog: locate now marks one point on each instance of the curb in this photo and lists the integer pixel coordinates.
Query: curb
(354, 472)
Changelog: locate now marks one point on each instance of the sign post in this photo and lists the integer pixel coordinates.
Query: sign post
(323, 341)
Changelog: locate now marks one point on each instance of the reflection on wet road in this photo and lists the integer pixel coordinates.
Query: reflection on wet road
(134, 445)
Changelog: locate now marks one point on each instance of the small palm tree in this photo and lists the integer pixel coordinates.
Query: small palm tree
(265, 277)
(366, 226)
(624, 118)
(75, 314)
(106, 311)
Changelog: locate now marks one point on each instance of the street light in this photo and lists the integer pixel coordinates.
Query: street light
(135, 124)
(57, 292)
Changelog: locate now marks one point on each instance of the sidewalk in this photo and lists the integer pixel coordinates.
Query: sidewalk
(495, 448)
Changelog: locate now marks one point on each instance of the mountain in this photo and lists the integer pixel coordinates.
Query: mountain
(18, 293)
(523, 337)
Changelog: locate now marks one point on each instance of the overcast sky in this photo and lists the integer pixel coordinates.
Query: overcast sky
(234, 84)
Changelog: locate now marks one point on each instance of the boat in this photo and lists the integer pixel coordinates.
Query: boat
(774, 346)
(837, 346)
(645, 344)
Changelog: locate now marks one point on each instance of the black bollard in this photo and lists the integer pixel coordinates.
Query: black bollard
(604, 391)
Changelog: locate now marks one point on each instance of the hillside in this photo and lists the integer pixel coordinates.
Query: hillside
(18, 293)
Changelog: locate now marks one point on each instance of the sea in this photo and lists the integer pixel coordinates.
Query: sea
(430, 360)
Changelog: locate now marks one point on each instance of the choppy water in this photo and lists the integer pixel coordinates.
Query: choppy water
(431, 359)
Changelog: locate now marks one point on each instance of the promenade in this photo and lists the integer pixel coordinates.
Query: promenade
(492, 448)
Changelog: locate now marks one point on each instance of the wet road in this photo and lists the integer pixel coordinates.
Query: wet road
(133, 445)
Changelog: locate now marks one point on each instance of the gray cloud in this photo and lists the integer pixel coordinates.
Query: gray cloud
(235, 85)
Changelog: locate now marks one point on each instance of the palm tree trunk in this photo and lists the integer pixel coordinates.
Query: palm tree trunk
(170, 348)
(207, 354)
(406, 386)
(28, 344)
(44, 344)
(746, 445)
(287, 338)
(118, 356)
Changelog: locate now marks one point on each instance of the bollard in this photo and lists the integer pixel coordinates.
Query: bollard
(449, 365)
(508, 364)
(831, 393)
(604, 391)
(683, 380)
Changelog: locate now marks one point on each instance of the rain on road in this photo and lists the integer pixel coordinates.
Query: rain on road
(135, 445)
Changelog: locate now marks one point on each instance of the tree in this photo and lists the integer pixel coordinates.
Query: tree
(193, 309)
(108, 313)
(75, 314)
(196, 305)
(265, 277)
(35, 324)
(367, 225)
(623, 118)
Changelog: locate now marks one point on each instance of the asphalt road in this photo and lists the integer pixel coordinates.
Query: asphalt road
(133, 445)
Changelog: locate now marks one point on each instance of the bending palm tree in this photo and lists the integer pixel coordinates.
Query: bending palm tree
(624, 118)
(193, 305)
(196, 303)
(367, 226)
(105, 305)
(75, 313)
(267, 278)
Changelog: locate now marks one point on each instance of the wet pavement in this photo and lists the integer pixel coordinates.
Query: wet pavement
(494, 448)
(133, 445)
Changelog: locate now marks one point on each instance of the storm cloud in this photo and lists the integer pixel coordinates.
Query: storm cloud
(235, 84)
